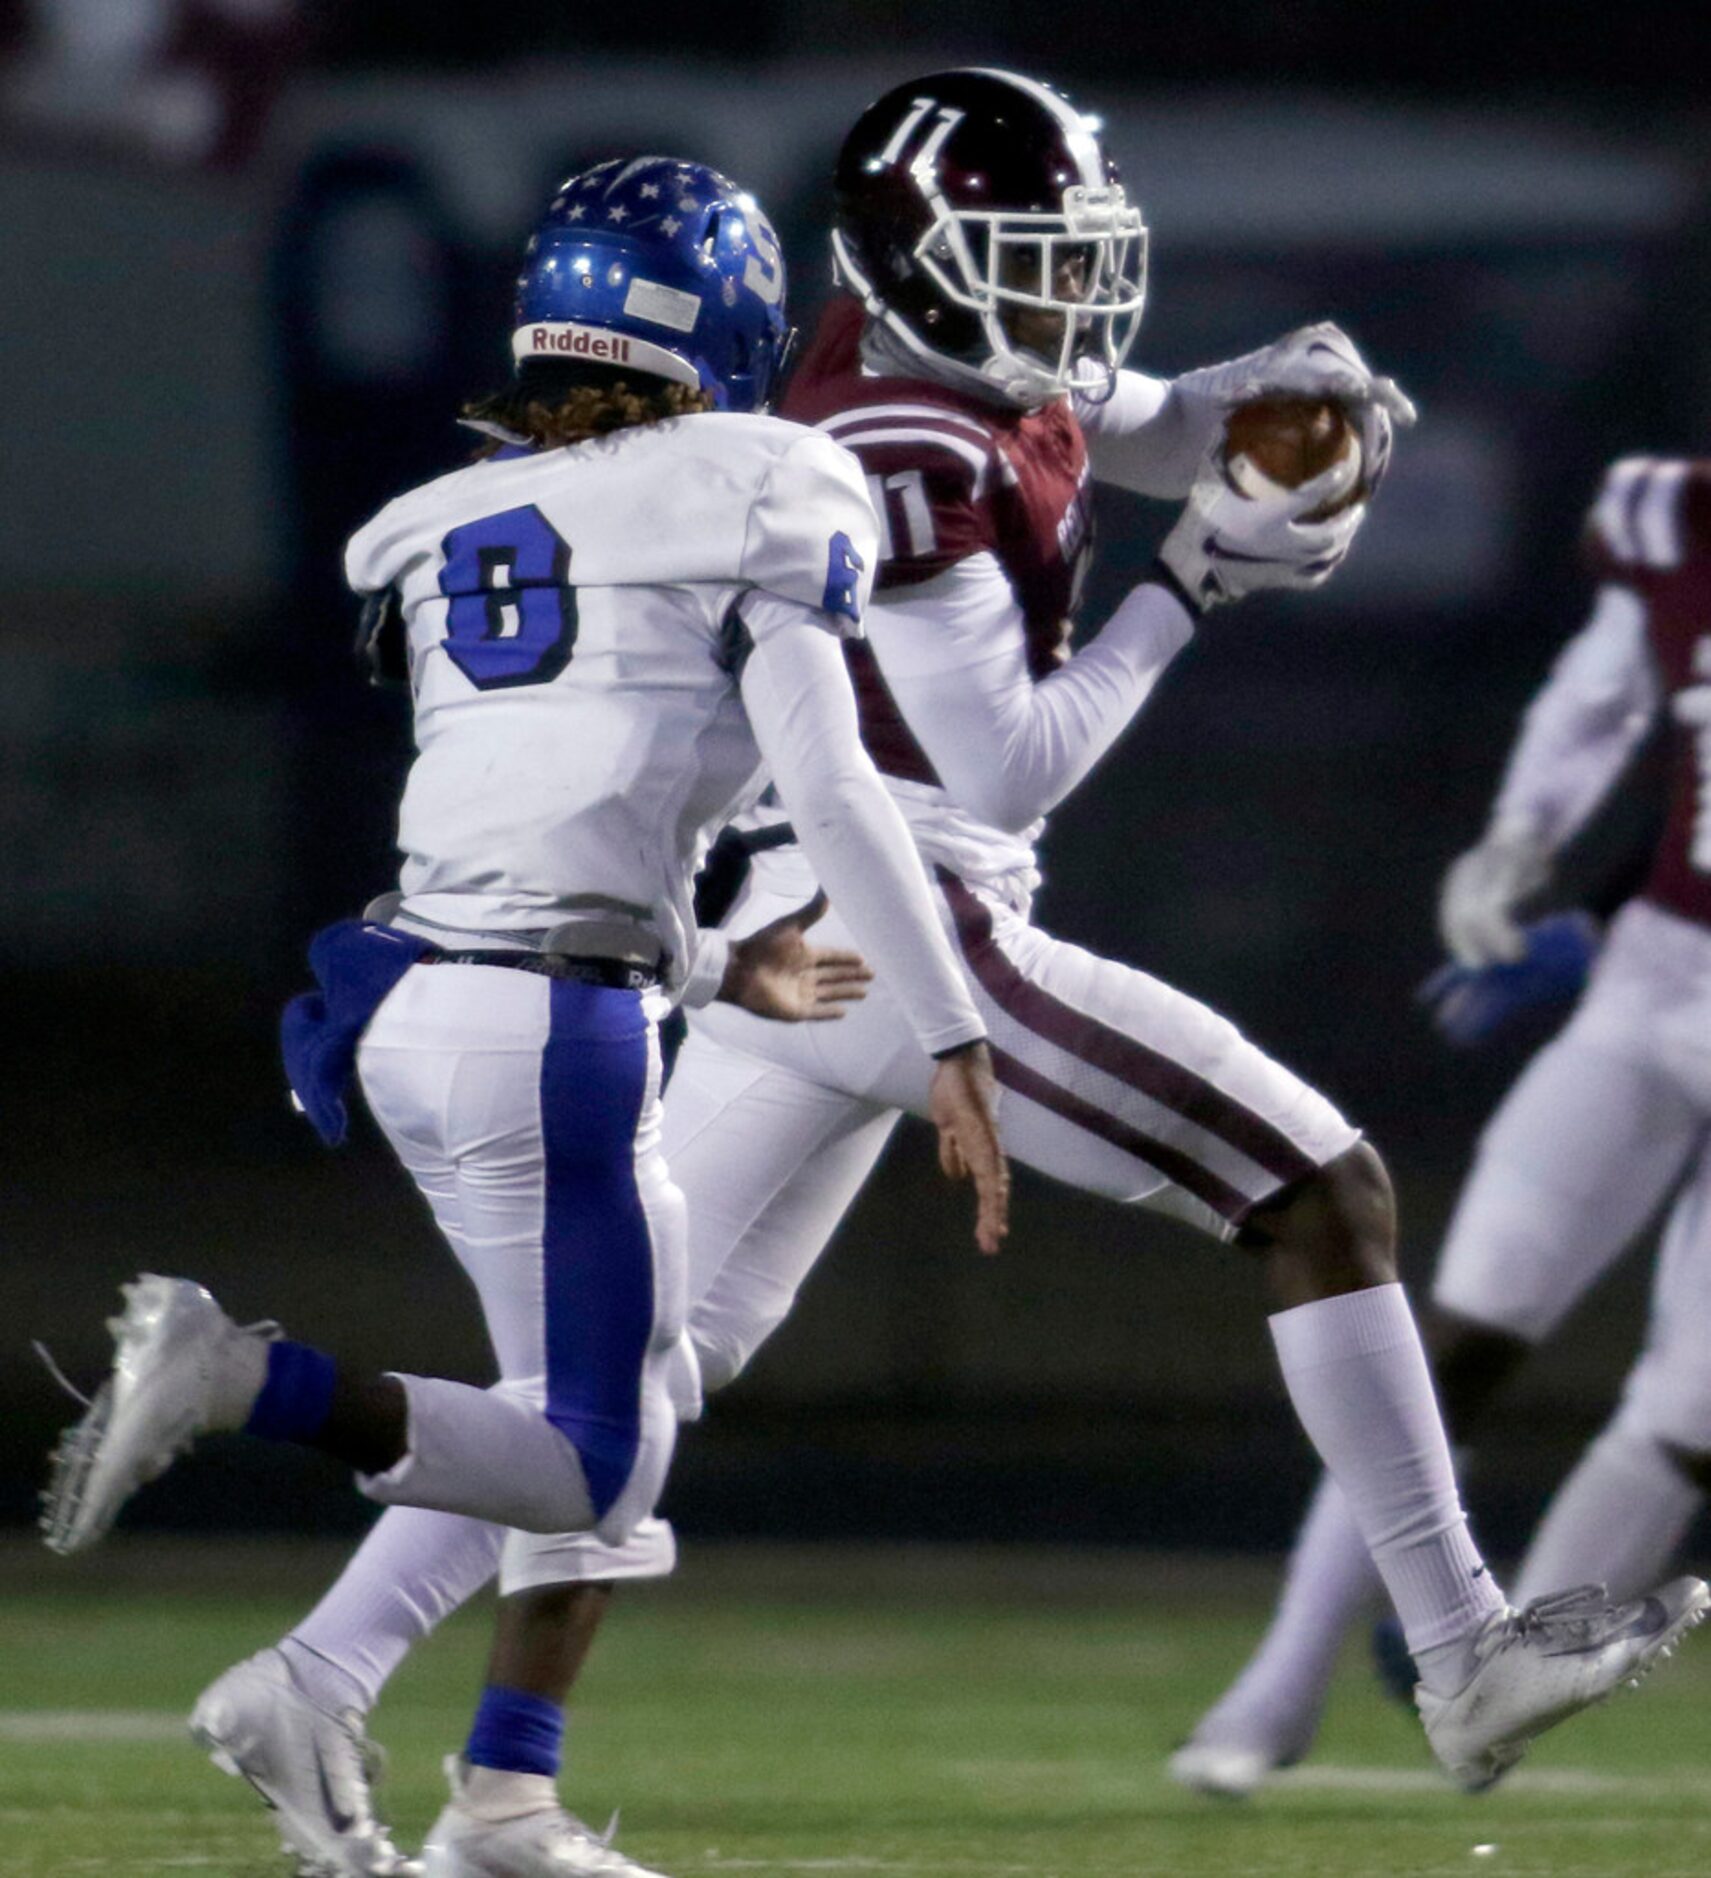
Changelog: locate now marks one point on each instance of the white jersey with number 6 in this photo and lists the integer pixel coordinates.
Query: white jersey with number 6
(575, 650)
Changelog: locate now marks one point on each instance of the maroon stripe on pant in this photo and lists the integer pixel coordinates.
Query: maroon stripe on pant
(1173, 1163)
(1171, 1084)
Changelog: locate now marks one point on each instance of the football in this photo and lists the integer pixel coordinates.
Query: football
(1273, 444)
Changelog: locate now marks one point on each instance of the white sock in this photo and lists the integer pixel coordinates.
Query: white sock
(1358, 1378)
(1274, 1704)
(1617, 1520)
(413, 1569)
(494, 1794)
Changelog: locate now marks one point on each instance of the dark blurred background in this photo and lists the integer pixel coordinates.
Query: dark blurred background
(257, 251)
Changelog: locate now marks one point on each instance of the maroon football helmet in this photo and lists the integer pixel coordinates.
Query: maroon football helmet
(979, 218)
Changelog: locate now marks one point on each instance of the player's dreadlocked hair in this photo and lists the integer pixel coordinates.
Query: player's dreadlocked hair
(554, 402)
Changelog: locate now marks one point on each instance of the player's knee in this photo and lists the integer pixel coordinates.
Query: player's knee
(723, 1346)
(1694, 1465)
(719, 1359)
(1331, 1233)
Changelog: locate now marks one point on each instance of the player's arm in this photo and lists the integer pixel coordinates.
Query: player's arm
(1144, 438)
(797, 694)
(1152, 434)
(798, 697)
(1575, 739)
(811, 546)
(1007, 748)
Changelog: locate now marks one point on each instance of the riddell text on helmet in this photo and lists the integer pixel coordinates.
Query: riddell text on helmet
(582, 340)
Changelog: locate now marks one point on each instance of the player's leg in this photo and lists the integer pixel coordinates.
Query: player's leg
(416, 1567)
(563, 1213)
(808, 1150)
(411, 1572)
(527, 1110)
(755, 1236)
(769, 1159)
(1126, 1087)
(1269, 1715)
(1109, 1061)
(291, 1719)
(1569, 1169)
(1621, 1514)
(770, 1162)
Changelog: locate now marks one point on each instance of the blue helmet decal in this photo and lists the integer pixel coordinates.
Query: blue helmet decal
(661, 265)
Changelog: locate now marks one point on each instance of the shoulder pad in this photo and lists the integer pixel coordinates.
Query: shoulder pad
(958, 451)
(1652, 514)
(931, 474)
(812, 536)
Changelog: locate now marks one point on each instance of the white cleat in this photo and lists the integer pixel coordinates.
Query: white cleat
(180, 1367)
(1535, 1668)
(547, 1843)
(1227, 1772)
(310, 1766)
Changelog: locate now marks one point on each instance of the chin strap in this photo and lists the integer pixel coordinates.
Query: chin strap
(891, 350)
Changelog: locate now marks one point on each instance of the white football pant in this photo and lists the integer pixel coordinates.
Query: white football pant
(1588, 1145)
(527, 1110)
(1112, 1082)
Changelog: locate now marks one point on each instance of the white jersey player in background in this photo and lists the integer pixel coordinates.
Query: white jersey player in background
(999, 267)
(613, 621)
(1607, 1121)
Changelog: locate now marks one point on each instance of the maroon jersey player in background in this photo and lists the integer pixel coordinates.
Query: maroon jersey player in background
(1604, 1124)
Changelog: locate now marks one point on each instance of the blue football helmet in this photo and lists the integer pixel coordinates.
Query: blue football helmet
(662, 266)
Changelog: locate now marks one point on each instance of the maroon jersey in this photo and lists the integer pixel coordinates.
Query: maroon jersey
(1650, 531)
(950, 477)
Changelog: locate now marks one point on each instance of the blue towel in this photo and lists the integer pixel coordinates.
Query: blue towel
(356, 963)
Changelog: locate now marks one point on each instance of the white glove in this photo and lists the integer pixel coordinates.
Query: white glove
(1319, 361)
(1226, 545)
(1482, 889)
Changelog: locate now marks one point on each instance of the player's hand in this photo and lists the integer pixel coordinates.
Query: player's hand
(1061, 649)
(1318, 361)
(1226, 545)
(1470, 1004)
(776, 973)
(1481, 891)
(964, 1108)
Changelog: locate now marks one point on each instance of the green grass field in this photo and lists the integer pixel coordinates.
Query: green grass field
(926, 1714)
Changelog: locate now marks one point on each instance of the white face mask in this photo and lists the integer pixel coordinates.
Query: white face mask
(1058, 297)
